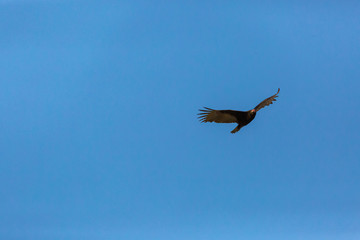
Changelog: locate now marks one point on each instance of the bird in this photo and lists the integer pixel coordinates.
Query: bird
(242, 118)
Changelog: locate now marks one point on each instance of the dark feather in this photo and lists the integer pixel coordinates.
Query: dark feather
(218, 116)
(267, 101)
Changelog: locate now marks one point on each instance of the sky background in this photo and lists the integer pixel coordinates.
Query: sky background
(100, 138)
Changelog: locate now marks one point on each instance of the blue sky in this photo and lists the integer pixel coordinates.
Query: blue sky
(100, 138)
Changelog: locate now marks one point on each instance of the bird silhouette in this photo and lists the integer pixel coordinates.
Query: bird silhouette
(242, 118)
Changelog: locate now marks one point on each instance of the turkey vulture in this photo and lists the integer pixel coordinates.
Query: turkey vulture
(231, 116)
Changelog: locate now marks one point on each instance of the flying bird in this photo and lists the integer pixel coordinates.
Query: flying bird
(230, 116)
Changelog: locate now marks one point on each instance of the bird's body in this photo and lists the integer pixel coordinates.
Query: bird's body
(242, 118)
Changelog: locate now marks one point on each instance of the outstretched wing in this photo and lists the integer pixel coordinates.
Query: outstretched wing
(267, 101)
(218, 116)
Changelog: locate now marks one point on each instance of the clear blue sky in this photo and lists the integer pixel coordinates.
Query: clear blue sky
(98, 131)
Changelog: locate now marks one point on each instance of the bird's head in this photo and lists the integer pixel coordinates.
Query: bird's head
(252, 113)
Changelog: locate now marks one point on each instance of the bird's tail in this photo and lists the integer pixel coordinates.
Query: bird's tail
(238, 127)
